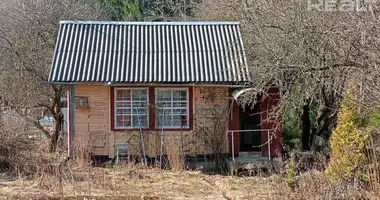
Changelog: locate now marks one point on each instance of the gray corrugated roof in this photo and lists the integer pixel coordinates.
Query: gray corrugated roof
(88, 51)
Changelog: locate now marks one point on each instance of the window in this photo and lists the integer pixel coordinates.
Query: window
(172, 108)
(131, 108)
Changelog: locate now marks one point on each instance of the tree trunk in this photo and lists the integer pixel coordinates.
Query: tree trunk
(306, 125)
(326, 121)
(327, 115)
(55, 136)
(58, 117)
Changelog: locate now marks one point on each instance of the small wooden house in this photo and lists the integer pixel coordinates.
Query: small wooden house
(144, 85)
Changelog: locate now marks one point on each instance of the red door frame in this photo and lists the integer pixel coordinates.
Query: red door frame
(267, 102)
(233, 124)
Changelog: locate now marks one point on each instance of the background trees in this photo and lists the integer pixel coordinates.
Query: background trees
(147, 10)
(123, 10)
(28, 32)
(310, 55)
(27, 40)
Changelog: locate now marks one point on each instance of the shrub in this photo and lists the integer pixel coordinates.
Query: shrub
(291, 173)
(20, 150)
(347, 142)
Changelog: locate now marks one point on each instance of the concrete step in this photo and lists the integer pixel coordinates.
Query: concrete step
(250, 159)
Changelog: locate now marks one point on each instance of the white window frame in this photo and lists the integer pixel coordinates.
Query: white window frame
(132, 110)
(187, 107)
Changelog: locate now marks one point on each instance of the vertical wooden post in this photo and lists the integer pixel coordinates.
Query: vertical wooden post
(111, 136)
(70, 119)
(269, 141)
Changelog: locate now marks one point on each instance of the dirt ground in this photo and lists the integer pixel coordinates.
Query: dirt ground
(132, 183)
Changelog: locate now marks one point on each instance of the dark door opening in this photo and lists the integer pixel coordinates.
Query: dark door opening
(250, 119)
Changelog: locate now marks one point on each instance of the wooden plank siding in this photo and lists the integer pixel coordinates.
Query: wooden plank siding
(92, 125)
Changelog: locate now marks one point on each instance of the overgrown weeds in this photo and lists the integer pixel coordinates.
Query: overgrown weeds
(21, 150)
(316, 185)
(173, 152)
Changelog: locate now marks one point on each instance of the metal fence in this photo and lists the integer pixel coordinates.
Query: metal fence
(269, 134)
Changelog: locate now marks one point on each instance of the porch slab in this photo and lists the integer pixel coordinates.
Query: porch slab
(254, 165)
(249, 159)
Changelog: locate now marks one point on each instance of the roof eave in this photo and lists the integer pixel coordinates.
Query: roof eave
(136, 84)
(150, 23)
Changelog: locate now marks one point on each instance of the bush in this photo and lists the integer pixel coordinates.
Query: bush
(22, 147)
(347, 142)
(291, 173)
(316, 185)
(17, 152)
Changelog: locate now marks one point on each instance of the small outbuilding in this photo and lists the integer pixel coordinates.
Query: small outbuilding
(151, 88)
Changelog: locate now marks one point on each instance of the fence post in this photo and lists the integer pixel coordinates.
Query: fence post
(269, 140)
(233, 147)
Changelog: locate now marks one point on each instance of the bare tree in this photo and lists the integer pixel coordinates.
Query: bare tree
(27, 39)
(308, 54)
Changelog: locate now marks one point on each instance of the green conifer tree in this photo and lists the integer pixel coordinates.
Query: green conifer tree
(123, 10)
(347, 142)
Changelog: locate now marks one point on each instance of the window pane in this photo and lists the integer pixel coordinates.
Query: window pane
(164, 105)
(167, 112)
(164, 95)
(139, 104)
(176, 95)
(123, 121)
(180, 121)
(177, 122)
(159, 111)
(139, 95)
(123, 95)
(183, 95)
(141, 111)
(179, 105)
(159, 121)
(177, 111)
(140, 120)
(184, 121)
(179, 95)
(167, 121)
(123, 111)
(123, 104)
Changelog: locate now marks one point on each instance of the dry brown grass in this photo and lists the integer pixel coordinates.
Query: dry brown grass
(22, 148)
(136, 182)
(316, 185)
(173, 152)
(54, 178)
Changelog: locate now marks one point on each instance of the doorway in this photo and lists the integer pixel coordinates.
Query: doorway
(250, 122)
